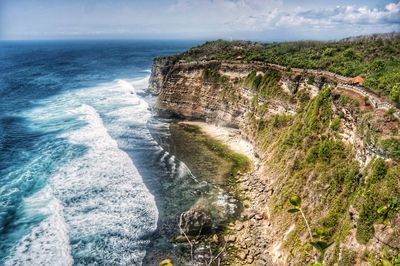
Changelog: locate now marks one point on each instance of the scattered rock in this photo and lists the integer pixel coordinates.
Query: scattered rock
(230, 238)
(258, 217)
(232, 200)
(249, 259)
(180, 239)
(250, 215)
(195, 222)
(243, 254)
(239, 227)
(260, 263)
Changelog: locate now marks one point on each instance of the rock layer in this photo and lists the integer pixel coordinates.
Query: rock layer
(215, 91)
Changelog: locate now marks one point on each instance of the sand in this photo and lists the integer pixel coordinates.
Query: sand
(230, 137)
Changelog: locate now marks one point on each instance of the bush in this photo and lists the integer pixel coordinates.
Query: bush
(365, 224)
(392, 146)
(379, 169)
(395, 93)
(348, 258)
(335, 124)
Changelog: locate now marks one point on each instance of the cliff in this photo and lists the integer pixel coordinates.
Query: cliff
(334, 144)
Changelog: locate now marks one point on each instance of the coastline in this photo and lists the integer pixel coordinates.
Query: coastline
(221, 158)
(247, 234)
(231, 137)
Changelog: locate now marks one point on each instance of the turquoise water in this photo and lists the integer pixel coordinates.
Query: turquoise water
(78, 165)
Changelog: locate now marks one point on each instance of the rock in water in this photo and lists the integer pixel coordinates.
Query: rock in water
(195, 222)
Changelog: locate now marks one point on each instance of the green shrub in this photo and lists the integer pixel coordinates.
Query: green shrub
(335, 124)
(348, 258)
(379, 169)
(365, 224)
(395, 93)
(392, 146)
(311, 80)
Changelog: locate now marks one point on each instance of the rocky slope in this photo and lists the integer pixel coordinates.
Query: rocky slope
(317, 136)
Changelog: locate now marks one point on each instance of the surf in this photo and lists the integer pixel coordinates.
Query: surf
(97, 202)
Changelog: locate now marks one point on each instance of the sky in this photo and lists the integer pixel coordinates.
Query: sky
(261, 20)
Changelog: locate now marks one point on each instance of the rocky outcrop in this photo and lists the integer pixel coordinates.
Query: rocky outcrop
(187, 92)
(159, 73)
(195, 222)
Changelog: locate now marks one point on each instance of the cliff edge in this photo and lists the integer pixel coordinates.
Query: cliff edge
(319, 136)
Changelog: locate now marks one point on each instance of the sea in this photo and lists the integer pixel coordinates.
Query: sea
(82, 179)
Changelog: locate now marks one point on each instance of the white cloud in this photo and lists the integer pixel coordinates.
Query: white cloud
(253, 19)
(389, 16)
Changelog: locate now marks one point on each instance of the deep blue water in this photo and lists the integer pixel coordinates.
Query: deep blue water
(72, 117)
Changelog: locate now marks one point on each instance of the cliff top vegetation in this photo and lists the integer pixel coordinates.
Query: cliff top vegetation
(374, 57)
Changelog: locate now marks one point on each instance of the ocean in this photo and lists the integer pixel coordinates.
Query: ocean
(82, 178)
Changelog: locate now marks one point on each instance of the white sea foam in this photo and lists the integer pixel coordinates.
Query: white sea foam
(105, 196)
(48, 243)
(223, 204)
(100, 200)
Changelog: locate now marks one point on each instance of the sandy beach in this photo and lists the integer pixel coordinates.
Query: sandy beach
(229, 136)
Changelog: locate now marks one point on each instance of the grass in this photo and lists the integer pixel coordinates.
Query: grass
(240, 163)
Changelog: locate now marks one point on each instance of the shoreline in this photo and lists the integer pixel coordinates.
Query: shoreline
(222, 157)
(217, 167)
(247, 236)
(231, 137)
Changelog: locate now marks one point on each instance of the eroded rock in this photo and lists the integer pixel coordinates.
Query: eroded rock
(195, 222)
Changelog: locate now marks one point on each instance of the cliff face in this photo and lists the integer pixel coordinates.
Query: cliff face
(188, 93)
(317, 136)
(211, 91)
(159, 70)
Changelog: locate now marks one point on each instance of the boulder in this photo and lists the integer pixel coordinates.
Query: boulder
(195, 222)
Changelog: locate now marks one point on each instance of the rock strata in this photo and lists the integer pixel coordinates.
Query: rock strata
(214, 92)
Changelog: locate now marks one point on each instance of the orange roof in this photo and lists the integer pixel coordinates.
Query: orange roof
(357, 80)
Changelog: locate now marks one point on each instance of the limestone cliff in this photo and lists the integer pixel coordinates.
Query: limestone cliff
(317, 136)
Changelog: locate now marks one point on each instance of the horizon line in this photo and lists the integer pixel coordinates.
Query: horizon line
(185, 39)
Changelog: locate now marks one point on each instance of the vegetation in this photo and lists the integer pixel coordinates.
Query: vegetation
(395, 93)
(348, 258)
(392, 146)
(306, 153)
(166, 262)
(323, 170)
(386, 258)
(376, 57)
(378, 198)
(319, 244)
(265, 84)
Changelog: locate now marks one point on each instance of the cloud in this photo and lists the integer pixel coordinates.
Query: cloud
(388, 16)
(241, 19)
(353, 15)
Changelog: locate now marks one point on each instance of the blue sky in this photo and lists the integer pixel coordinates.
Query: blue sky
(266, 20)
